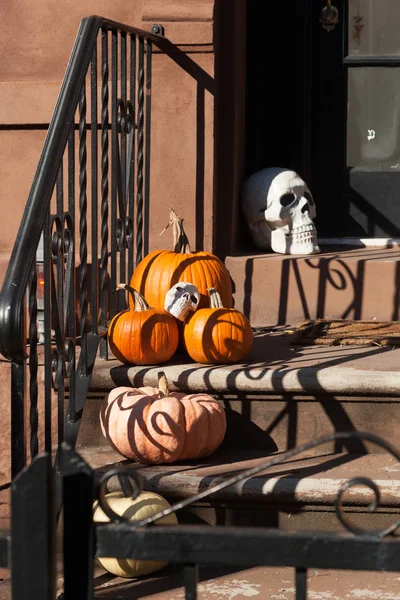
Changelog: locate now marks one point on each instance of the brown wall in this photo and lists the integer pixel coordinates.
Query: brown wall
(35, 48)
(35, 45)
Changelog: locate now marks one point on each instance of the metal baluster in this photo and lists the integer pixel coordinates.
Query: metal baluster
(140, 146)
(78, 539)
(33, 364)
(18, 456)
(123, 97)
(190, 579)
(301, 583)
(149, 53)
(131, 166)
(104, 188)
(60, 257)
(33, 550)
(47, 334)
(94, 278)
(60, 300)
(122, 215)
(83, 228)
(70, 276)
(114, 142)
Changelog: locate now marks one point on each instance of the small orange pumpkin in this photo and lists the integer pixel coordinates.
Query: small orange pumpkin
(142, 335)
(155, 426)
(217, 334)
(160, 270)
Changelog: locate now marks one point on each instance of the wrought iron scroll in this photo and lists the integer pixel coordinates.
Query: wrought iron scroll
(136, 485)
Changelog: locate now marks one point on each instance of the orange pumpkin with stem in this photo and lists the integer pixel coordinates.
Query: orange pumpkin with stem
(160, 270)
(217, 334)
(142, 335)
(155, 426)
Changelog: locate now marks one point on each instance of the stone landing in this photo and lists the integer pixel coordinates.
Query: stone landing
(274, 289)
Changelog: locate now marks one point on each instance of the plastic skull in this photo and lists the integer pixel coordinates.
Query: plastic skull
(279, 210)
(182, 299)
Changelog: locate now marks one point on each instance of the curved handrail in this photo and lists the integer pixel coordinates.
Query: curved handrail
(12, 344)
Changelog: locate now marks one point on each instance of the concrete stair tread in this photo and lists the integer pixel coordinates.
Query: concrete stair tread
(294, 395)
(303, 479)
(274, 366)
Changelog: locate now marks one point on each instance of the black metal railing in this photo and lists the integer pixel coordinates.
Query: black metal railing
(189, 546)
(84, 229)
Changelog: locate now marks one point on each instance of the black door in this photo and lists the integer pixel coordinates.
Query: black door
(324, 99)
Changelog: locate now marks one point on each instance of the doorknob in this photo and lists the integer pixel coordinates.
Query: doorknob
(329, 16)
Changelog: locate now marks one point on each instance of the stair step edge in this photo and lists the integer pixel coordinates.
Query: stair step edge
(251, 378)
(312, 480)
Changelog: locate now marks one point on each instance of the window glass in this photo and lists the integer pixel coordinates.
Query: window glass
(373, 127)
(374, 27)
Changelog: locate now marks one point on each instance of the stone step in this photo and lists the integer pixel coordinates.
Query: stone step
(284, 396)
(278, 423)
(275, 365)
(274, 289)
(216, 583)
(299, 492)
(239, 583)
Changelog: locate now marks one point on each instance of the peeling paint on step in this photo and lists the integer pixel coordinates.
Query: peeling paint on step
(228, 590)
(372, 595)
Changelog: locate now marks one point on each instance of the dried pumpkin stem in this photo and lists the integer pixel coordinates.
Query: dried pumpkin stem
(215, 298)
(139, 303)
(181, 242)
(162, 385)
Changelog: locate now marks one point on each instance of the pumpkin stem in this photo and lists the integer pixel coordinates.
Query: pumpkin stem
(181, 242)
(215, 298)
(139, 303)
(162, 385)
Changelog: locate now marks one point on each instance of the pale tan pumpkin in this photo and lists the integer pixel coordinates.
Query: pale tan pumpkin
(147, 504)
(154, 426)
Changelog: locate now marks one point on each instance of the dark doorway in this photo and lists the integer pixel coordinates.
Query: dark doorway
(327, 104)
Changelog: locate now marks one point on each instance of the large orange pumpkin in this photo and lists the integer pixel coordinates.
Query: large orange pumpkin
(143, 335)
(217, 334)
(162, 269)
(155, 426)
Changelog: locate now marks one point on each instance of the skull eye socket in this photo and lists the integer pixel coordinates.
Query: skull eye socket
(309, 198)
(193, 299)
(287, 199)
(179, 289)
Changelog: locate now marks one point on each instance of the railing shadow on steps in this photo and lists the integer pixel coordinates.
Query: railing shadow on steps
(84, 228)
(188, 546)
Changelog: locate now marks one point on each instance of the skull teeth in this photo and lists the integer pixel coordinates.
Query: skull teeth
(303, 234)
(308, 227)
